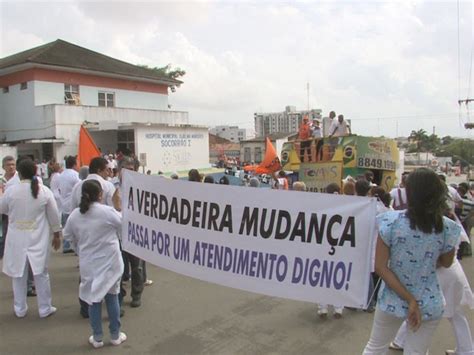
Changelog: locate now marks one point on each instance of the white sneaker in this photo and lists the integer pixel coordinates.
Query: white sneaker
(94, 343)
(122, 337)
(52, 310)
(20, 315)
(323, 313)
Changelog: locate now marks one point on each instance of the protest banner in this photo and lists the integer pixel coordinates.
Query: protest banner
(296, 245)
(318, 176)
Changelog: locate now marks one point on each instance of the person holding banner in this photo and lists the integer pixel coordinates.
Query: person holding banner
(332, 188)
(136, 265)
(93, 231)
(411, 245)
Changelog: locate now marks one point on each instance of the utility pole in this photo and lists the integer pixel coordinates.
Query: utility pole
(307, 90)
(466, 102)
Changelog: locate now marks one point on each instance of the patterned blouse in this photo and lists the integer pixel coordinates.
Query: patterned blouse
(413, 257)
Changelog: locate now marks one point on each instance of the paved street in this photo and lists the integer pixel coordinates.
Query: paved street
(180, 315)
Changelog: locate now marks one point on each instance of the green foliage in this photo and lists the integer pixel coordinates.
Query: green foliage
(422, 142)
(167, 71)
(459, 149)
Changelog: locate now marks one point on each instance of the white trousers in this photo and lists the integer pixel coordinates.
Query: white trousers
(461, 329)
(323, 308)
(385, 327)
(43, 292)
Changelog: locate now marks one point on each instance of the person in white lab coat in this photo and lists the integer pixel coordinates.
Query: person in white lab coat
(92, 230)
(32, 213)
(8, 179)
(98, 170)
(67, 180)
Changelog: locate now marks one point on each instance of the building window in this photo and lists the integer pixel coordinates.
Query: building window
(126, 140)
(247, 156)
(6, 89)
(71, 94)
(106, 99)
(258, 154)
(24, 86)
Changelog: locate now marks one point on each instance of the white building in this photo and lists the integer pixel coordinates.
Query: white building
(287, 121)
(48, 92)
(231, 133)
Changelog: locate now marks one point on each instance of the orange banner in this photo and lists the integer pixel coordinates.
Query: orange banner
(87, 148)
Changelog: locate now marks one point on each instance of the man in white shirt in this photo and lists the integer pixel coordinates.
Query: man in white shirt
(399, 195)
(339, 128)
(98, 170)
(8, 179)
(327, 123)
(66, 182)
(316, 129)
(43, 170)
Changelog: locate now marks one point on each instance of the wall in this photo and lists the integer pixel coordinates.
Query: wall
(17, 112)
(278, 144)
(173, 148)
(125, 98)
(53, 93)
(230, 133)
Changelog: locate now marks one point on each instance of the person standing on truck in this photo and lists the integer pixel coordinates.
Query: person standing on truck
(304, 135)
(339, 128)
(327, 123)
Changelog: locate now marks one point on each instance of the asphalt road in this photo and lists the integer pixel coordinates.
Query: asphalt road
(180, 315)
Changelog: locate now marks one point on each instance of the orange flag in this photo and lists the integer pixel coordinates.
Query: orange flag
(87, 148)
(271, 162)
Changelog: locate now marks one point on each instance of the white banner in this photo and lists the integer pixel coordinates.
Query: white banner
(296, 245)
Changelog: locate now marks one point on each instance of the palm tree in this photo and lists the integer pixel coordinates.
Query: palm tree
(418, 137)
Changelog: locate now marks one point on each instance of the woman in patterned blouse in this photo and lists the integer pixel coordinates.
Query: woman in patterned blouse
(411, 245)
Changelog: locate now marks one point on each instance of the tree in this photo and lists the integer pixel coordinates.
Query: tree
(447, 140)
(459, 149)
(418, 137)
(168, 72)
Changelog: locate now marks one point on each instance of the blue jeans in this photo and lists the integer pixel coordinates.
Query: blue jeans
(66, 244)
(95, 317)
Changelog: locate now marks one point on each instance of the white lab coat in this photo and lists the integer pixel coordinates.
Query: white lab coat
(108, 190)
(54, 186)
(94, 238)
(29, 223)
(14, 180)
(67, 180)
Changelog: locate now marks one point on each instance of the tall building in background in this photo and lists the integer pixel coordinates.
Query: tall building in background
(231, 133)
(287, 121)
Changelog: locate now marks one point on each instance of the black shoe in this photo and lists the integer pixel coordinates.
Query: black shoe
(136, 303)
(122, 312)
(84, 314)
(31, 293)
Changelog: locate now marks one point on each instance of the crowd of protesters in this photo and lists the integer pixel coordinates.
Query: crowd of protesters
(422, 214)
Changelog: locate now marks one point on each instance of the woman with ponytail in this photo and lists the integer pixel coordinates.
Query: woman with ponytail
(32, 214)
(93, 231)
(411, 245)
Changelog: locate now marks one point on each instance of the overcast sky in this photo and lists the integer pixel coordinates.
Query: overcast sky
(378, 63)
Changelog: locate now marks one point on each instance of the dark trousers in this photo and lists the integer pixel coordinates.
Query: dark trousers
(3, 240)
(305, 146)
(136, 273)
(319, 150)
